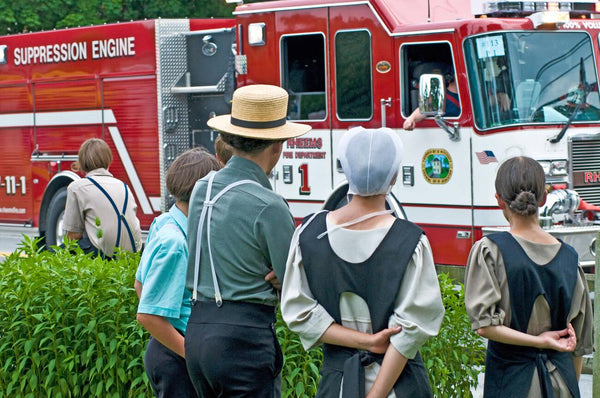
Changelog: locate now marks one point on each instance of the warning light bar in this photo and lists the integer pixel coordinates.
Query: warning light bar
(517, 9)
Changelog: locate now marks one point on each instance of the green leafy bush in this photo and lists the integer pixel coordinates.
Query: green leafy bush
(67, 326)
(68, 329)
(300, 373)
(456, 355)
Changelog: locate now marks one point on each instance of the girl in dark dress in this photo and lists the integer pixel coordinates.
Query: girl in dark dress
(525, 293)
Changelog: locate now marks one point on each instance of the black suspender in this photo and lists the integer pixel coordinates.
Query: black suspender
(120, 215)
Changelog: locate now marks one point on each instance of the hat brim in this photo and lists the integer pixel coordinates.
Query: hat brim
(288, 130)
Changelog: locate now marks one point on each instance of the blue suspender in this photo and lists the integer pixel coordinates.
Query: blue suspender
(120, 216)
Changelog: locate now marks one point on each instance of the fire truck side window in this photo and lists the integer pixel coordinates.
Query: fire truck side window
(418, 59)
(354, 88)
(303, 63)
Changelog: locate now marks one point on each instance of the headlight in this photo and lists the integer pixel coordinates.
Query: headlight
(558, 168)
(554, 168)
(546, 164)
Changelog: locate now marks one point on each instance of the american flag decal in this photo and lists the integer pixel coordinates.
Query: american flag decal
(486, 157)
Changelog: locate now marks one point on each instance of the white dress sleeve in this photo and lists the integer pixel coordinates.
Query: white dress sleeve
(418, 307)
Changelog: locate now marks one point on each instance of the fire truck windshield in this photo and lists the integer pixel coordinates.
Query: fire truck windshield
(532, 77)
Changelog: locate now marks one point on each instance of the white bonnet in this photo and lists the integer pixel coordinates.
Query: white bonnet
(370, 158)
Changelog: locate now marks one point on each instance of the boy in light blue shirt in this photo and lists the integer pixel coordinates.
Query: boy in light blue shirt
(164, 307)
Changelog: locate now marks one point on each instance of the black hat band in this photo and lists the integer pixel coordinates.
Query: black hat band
(258, 125)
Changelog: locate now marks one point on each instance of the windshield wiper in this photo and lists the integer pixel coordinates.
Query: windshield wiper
(582, 89)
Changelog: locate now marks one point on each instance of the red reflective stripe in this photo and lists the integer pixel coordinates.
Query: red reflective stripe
(453, 100)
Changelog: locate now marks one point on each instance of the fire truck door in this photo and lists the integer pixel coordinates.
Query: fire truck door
(303, 174)
(16, 134)
(436, 184)
(364, 71)
(211, 62)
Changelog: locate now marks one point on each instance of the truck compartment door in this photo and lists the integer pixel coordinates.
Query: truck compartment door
(209, 81)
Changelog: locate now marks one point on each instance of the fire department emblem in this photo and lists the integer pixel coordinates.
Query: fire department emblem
(437, 166)
(383, 67)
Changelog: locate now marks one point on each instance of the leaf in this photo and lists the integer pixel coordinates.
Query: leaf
(28, 345)
(121, 374)
(299, 389)
(99, 388)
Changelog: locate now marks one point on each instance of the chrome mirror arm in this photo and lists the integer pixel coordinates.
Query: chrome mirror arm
(451, 128)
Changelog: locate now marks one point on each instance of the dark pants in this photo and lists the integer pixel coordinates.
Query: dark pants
(167, 372)
(232, 351)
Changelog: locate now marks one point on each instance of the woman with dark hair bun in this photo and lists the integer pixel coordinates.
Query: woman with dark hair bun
(526, 293)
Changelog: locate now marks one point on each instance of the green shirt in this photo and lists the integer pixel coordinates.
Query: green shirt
(251, 230)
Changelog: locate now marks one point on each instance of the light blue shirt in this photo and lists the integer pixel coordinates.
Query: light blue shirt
(162, 270)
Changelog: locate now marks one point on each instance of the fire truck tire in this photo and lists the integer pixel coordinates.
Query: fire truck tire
(54, 219)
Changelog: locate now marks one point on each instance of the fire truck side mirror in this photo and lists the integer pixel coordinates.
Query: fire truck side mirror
(432, 103)
(431, 95)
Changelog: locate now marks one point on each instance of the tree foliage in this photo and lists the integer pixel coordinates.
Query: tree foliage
(18, 16)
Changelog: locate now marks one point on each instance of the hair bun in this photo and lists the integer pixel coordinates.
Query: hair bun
(525, 204)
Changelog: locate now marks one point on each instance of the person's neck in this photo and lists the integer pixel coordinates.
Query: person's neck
(183, 206)
(360, 206)
(528, 228)
(452, 87)
(262, 159)
(367, 204)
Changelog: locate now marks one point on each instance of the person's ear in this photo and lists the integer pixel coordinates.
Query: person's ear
(276, 149)
(278, 146)
(501, 203)
(543, 201)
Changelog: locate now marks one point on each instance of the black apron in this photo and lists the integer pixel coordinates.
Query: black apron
(376, 280)
(509, 368)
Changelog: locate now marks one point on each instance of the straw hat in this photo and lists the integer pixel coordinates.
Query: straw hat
(259, 111)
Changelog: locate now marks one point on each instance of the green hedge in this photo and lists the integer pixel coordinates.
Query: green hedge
(68, 329)
(67, 326)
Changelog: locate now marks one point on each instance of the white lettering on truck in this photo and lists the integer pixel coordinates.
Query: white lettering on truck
(112, 48)
(51, 53)
(74, 51)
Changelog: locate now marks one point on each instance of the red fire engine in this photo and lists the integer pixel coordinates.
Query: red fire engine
(129, 83)
(526, 83)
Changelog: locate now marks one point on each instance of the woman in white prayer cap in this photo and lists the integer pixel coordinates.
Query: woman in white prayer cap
(362, 282)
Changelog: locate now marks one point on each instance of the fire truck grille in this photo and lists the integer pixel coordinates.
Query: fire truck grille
(585, 157)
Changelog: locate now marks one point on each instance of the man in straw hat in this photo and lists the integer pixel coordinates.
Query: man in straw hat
(239, 230)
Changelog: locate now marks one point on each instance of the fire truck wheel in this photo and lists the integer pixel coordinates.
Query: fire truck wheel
(54, 220)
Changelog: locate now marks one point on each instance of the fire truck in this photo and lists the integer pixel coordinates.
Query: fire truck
(525, 77)
(526, 80)
(132, 84)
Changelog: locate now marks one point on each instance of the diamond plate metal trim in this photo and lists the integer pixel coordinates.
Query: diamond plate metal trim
(171, 63)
